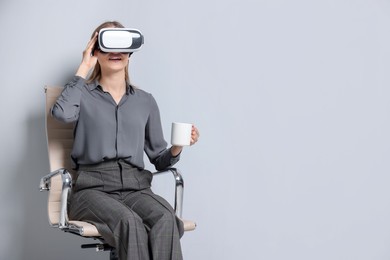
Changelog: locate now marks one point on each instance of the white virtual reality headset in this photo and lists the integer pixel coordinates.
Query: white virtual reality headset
(125, 40)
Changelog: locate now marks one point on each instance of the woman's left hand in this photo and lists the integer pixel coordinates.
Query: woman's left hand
(194, 135)
(176, 150)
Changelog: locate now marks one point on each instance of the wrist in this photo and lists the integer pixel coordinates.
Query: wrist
(82, 71)
(176, 150)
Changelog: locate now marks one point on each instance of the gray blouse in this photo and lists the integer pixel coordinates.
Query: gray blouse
(104, 130)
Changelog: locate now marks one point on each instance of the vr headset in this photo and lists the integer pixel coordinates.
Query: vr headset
(125, 40)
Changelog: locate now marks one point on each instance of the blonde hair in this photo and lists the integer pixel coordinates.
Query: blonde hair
(97, 71)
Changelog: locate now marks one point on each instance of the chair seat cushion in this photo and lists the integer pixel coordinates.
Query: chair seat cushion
(89, 230)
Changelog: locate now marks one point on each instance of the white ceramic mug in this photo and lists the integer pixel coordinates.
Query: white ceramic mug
(181, 134)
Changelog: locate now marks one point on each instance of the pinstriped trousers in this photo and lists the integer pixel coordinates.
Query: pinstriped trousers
(116, 198)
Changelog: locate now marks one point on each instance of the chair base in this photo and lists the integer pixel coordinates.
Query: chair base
(113, 254)
(103, 247)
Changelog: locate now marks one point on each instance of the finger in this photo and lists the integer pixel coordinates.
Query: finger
(195, 131)
(89, 51)
(194, 135)
(92, 41)
(194, 139)
(194, 128)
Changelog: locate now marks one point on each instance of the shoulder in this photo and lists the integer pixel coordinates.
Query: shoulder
(139, 93)
(146, 98)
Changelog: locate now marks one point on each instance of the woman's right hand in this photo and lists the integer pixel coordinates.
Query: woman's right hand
(88, 61)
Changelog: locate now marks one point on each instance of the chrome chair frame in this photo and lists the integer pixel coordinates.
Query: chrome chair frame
(45, 185)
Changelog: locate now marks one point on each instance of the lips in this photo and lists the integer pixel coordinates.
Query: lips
(115, 58)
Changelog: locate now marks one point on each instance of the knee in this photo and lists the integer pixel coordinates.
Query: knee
(166, 224)
(166, 215)
(164, 218)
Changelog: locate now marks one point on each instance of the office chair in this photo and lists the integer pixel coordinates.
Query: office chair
(59, 181)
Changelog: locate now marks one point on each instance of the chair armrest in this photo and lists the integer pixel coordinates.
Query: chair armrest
(179, 189)
(66, 185)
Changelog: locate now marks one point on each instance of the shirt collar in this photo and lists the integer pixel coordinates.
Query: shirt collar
(95, 85)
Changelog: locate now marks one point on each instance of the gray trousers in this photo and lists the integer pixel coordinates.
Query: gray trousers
(117, 199)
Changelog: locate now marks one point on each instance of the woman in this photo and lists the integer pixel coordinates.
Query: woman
(114, 124)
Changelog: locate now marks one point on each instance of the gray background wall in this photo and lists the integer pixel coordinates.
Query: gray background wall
(291, 97)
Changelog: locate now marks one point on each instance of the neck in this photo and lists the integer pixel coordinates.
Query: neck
(113, 82)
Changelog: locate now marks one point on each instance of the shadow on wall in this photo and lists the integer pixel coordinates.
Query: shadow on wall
(29, 206)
